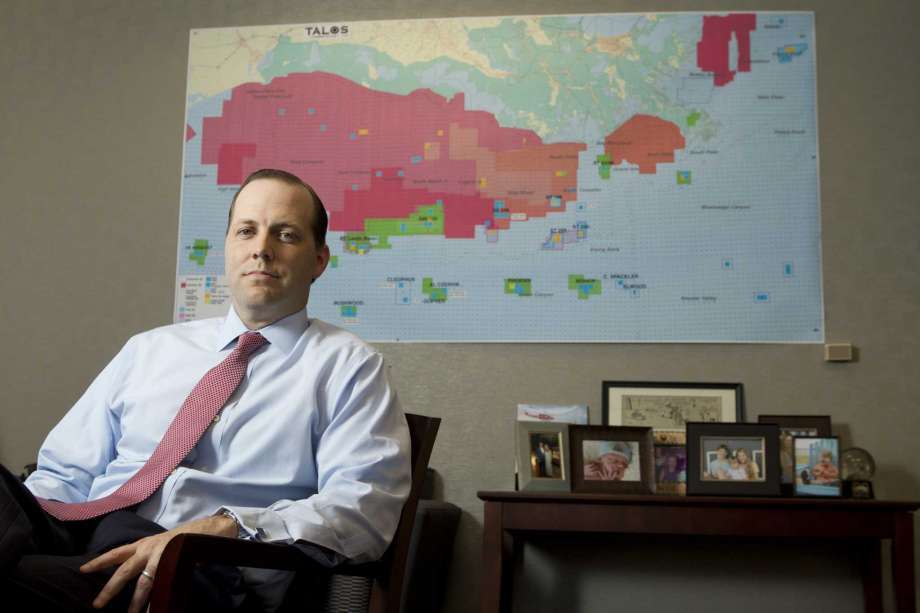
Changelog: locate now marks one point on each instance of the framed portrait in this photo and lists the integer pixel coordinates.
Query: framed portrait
(733, 459)
(612, 460)
(817, 466)
(671, 469)
(669, 406)
(543, 456)
(791, 426)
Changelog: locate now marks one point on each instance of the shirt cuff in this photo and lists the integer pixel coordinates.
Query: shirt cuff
(245, 532)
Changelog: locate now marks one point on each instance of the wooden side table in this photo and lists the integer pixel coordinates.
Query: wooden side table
(512, 517)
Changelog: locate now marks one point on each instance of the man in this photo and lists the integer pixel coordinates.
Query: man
(311, 448)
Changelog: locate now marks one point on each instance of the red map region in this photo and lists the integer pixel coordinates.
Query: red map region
(189, 133)
(644, 140)
(713, 48)
(230, 159)
(373, 154)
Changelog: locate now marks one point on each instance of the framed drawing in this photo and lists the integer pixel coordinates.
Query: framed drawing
(670, 405)
(791, 426)
(543, 456)
(733, 459)
(612, 460)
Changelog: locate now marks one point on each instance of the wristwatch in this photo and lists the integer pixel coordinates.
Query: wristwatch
(240, 532)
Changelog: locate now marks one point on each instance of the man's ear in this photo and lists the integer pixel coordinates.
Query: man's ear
(322, 261)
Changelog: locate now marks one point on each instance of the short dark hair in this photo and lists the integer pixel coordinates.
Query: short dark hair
(321, 219)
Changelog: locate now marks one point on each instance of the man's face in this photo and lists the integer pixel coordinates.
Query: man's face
(270, 254)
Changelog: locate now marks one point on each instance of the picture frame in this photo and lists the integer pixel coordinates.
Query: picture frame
(612, 459)
(543, 456)
(670, 469)
(817, 466)
(791, 426)
(670, 442)
(733, 459)
(664, 405)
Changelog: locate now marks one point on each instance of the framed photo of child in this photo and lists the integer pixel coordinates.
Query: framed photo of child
(791, 426)
(817, 466)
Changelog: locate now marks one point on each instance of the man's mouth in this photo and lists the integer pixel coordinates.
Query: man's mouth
(261, 273)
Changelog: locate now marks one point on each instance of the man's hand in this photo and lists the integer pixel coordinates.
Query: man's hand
(144, 555)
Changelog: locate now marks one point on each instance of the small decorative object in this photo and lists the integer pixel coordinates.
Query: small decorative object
(612, 460)
(543, 456)
(817, 466)
(791, 426)
(569, 413)
(733, 459)
(857, 467)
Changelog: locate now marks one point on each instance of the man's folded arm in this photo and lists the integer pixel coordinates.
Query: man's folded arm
(80, 447)
(363, 461)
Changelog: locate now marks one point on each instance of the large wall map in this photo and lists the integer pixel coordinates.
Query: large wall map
(645, 178)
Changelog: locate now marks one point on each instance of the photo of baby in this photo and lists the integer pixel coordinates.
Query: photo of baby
(611, 460)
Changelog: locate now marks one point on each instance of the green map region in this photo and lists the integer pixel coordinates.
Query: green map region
(519, 287)
(585, 287)
(435, 294)
(199, 251)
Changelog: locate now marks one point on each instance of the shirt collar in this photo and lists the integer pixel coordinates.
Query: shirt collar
(282, 334)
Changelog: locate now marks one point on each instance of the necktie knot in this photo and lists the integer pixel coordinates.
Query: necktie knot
(249, 342)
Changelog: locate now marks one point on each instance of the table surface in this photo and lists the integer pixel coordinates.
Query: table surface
(715, 501)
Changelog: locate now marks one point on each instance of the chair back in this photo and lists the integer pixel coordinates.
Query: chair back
(386, 592)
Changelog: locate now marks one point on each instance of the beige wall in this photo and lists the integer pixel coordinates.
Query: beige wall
(91, 123)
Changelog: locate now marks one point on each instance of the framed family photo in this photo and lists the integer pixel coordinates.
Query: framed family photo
(733, 459)
(670, 405)
(612, 460)
(543, 456)
(791, 426)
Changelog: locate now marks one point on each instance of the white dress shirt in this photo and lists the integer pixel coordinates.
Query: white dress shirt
(312, 446)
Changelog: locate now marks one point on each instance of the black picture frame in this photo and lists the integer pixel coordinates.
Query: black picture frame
(641, 451)
(614, 394)
(753, 439)
(791, 426)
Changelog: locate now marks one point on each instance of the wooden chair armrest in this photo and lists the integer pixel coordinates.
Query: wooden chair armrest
(184, 551)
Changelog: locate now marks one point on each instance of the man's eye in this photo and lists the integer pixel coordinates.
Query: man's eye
(244, 232)
(287, 236)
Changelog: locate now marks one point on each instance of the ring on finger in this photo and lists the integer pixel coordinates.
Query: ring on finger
(147, 574)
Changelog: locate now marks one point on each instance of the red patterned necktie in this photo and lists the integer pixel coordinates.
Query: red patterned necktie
(196, 414)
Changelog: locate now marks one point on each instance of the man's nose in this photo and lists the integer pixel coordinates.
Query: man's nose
(262, 248)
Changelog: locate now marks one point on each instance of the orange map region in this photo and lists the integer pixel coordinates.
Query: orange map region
(378, 155)
(644, 140)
